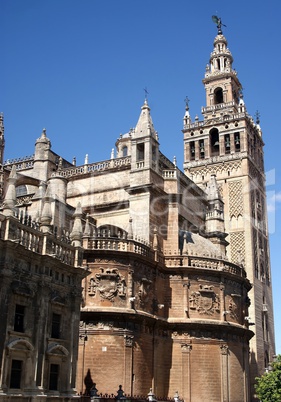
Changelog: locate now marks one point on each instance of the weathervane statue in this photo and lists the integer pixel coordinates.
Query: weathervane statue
(217, 21)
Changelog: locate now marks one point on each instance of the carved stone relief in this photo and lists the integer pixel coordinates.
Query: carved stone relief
(205, 300)
(235, 306)
(144, 290)
(109, 283)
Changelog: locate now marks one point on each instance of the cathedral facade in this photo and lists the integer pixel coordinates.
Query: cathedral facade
(170, 268)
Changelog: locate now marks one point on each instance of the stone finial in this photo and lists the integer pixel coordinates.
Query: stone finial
(10, 197)
(155, 239)
(112, 154)
(46, 216)
(87, 229)
(76, 234)
(130, 230)
(86, 159)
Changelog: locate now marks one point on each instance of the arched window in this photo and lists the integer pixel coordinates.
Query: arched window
(21, 190)
(125, 151)
(218, 96)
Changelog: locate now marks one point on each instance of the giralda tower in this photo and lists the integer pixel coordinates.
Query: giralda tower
(228, 143)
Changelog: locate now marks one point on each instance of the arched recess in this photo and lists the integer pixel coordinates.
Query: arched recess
(57, 368)
(20, 344)
(21, 190)
(58, 350)
(18, 364)
(111, 231)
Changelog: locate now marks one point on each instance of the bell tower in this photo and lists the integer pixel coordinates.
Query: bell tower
(228, 143)
(2, 147)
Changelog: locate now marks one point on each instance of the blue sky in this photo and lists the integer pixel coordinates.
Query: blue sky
(79, 68)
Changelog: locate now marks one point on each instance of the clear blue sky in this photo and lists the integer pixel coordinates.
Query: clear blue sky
(79, 67)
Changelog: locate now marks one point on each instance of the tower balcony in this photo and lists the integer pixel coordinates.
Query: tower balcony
(219, 106)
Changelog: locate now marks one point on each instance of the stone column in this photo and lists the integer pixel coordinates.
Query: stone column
(186, 372)
(224, 373)
(128, 364)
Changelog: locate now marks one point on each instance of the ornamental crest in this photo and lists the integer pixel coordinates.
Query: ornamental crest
(109, 283)
(205, 301)
(144, 290)
(235, 306)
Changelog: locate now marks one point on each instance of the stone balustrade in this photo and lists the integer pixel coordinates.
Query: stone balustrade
(118, 245)
(192, 261)
(27, 234)
(93, 167)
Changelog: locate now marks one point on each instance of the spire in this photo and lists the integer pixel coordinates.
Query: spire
(213, 190)
(221, 83)
(186, 118)
(214, 216)
(215, 229)
(43, 138)
(144, 125)
(2, 139)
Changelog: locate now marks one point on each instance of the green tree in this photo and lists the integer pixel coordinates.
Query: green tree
(268, 386)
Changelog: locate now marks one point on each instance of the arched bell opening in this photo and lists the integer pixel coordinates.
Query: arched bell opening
(214, 142)
(218, 96)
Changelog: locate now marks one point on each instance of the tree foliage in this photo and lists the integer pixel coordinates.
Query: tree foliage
(268, 386)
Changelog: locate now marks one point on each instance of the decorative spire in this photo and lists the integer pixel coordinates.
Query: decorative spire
(145, 125)
(213, 190)
(257, 116)
(186, 118)
(43, 138)
(87, 229)
(2, 139)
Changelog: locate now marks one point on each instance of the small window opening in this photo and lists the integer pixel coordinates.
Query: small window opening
(54, 377)
(219, 64)
(192, 150)
(202, 149)
(21, 190)
(16, 370)
(56, 323)
(19, 318)
(154, 153)
(140, 152)
(125, 151)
